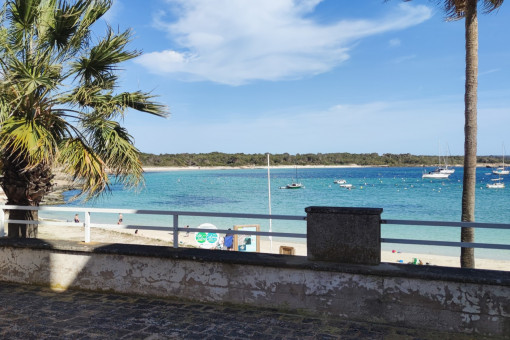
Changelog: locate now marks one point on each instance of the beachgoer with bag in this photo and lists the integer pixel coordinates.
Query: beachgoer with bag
(229, 241)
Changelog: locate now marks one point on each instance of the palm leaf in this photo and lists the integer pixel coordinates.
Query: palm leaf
(103, 58)
(80, 161)
(141, 102)
(115, 147)
(27, 137)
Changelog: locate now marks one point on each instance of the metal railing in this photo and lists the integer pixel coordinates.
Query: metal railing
(448, 224)
(88, 224)
(175, 221)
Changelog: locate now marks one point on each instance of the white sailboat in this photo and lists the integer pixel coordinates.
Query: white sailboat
(436, 174)
(501, 170)
(446, 169)
(498, 184)
(439, 172)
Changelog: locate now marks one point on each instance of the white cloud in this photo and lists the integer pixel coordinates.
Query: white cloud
(488, 72)
(236, 42)
(395, 42)
(403, 58)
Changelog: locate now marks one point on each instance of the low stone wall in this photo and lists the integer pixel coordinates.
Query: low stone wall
(445, 299)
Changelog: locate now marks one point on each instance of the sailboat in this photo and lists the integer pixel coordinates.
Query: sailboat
(446, 169)
(498, 184)
(501, 170)
(294, 185)
(439, 172)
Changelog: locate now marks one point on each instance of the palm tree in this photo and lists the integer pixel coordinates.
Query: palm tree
(58, 105)
(467, 9)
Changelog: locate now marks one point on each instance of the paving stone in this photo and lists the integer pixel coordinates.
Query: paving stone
(33, 312)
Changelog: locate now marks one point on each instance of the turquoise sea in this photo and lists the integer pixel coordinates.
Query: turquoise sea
(401, 192)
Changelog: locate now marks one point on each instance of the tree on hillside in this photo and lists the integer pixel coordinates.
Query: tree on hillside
(467, 9)
(58, 104)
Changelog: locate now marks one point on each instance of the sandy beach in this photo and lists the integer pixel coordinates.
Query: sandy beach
(190, 168)
(165, 238)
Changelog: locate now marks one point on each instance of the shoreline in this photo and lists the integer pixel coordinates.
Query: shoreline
(197, 168)
(357, 166)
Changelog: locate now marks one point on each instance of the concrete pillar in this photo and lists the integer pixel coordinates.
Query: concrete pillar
(344, 235)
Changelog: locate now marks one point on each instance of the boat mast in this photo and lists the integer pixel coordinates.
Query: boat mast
(269, 195)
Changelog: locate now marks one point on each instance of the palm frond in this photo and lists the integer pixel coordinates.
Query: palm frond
(61, 23)
(30, 76)
(29, 138)
(93, 10)
(80, 161)
(109, 106)
(23, 13)
(491, 5)
(141, 102)
(103, 58)
(456, 9)
(115, 146)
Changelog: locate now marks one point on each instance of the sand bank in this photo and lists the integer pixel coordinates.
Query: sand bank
(165, 238)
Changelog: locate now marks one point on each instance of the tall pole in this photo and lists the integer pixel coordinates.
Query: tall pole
(269, 194)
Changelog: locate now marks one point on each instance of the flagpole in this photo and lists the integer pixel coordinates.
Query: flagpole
(269, 194)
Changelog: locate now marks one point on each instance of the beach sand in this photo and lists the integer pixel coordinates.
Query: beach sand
(165, 238)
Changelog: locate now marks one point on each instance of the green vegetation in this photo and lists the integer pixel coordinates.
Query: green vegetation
(344, 158)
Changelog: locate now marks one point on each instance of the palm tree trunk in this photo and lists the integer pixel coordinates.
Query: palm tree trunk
(24, 187)
(467, 258)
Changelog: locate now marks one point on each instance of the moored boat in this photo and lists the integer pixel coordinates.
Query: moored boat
(446, 170)
(501, 170)
(435, 175)
(293, 186)
(496, 185)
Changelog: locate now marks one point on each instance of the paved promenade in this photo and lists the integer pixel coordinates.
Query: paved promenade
(31, 312)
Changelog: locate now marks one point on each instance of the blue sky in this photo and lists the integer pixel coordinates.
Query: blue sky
(310, 76)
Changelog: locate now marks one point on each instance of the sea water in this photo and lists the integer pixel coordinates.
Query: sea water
(400, 192)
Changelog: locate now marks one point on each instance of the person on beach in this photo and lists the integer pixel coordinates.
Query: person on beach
(76, 219)
(221, 242)
(229, 241)
(120, 219)
(187, 231)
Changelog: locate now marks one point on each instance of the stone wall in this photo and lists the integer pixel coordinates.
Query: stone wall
(446, 299)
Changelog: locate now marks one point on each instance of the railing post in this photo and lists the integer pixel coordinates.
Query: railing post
(176, 231)
(87, 226)
(2, 222)
(344, 235)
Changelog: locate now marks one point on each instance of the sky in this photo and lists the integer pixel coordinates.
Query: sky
(311, 76)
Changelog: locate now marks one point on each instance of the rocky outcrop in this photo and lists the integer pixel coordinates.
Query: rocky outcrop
(61, 184)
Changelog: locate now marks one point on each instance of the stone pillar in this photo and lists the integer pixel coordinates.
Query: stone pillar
(344, 235)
